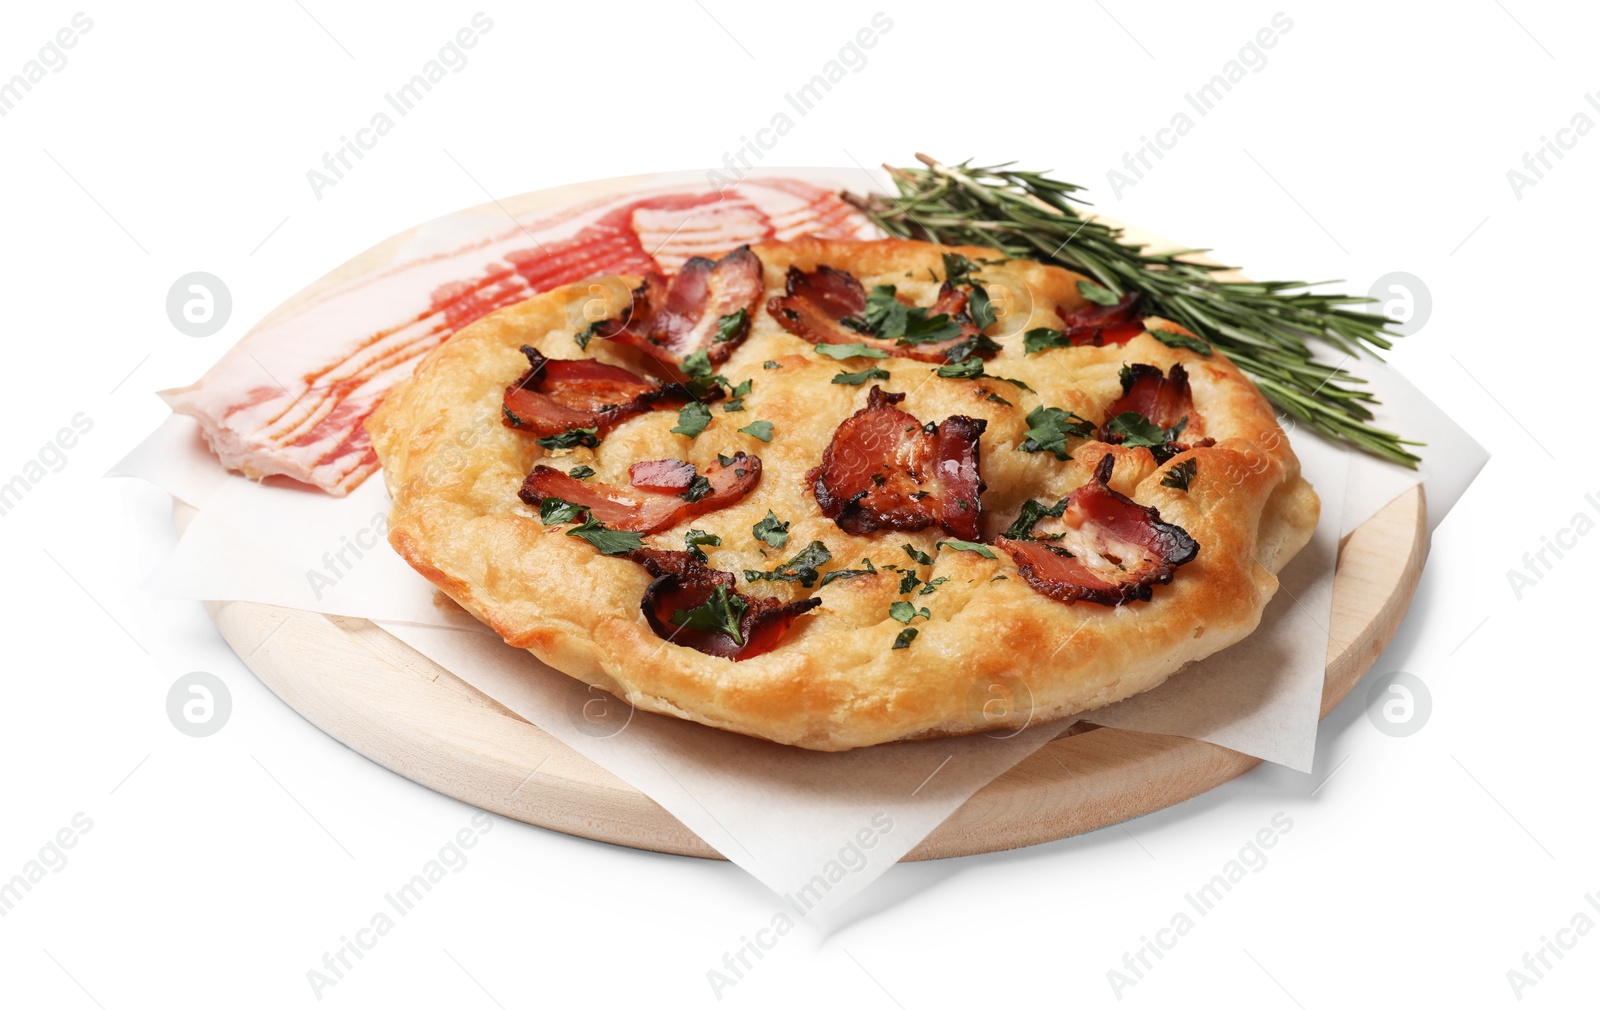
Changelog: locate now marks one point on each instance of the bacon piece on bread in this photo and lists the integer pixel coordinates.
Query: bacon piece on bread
(884, 469)
(716, 619)
(650, 504)
(556, 395)
(1111, 550)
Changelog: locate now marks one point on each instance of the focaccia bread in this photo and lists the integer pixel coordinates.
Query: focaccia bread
(988, 496)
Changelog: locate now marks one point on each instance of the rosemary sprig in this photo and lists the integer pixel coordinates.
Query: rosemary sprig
(1262, 326)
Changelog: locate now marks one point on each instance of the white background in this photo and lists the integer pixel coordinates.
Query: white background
(1377, 138)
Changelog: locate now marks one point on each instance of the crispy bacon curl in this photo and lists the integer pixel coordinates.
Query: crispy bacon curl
(683, 584)
(1111, 550)
(1103, 325)
(556, 395)
(671, 318)
(815, 304)
(1163, 400)
(884, 469)
(655, 501)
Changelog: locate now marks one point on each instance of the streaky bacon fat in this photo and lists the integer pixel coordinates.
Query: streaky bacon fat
(1111, 549)
(815, 303)
(646, 507)
(292, 397)
(671, 318)
(884, 469)
(558, 394)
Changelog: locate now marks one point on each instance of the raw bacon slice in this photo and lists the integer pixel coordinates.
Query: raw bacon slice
(1103, 325)
(884, 469)
(671, 319)
(815, 304)
(292, 397)
(684, 586)
(646, 508)
(1112, 549)
(1161, 399)
(556, 395)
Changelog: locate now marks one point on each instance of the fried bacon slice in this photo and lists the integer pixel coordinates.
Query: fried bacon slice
(1103, 325)
(556, 395)
(1161, 399)
(884, 469)
(671, 318)
(653, 503)
(719, 620)
(815, 304)
(1111, 551)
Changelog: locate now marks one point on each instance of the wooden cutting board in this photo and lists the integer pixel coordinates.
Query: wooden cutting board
(365, 688)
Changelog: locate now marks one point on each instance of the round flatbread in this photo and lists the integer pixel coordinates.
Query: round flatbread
(1155, 544)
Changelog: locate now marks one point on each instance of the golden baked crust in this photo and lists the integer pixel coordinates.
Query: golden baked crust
(834, 682)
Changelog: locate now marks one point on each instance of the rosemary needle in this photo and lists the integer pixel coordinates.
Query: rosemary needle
(1264, 327)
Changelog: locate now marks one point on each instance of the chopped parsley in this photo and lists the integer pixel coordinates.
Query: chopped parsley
(1180, 475)
(933, 584)
(905, 638)
(980, 308)
(511, 419)
(850, 573)
(1182, 340)
(909, 581)
(966, 545)
(801, 568)
(738, 393)
(916, 555)
(772, 530)
(1050, 427)
(972, 368)
(889, 318)
(728, 326)
(958, 269)
(554, 510)
(857, 378)
(580, 472)
(583, 336)
(839, 352)
(769, 363)
(975, 344)
(1097, 293)
(1043, 338)
(1030, 515)
(697, 367)
(606, 541)
(695, 539)
(904, 612)
(698, 488)
(588, 437)
(758, 429)
(692, 419)
(720, 612)
(1136, 431)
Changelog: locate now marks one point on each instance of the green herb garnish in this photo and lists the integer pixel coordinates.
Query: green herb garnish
(857, 378)
(904, 612)
(772, 530)
(966, 545)
(916, 555)
(801, 568)
(728, 326)
(905, 638)
(606, 541)
(758, 429)
(580, 472)
(1050, 427)
(553, 510)
(695, 539)
(720, 612)
(589, 437)
(1180, 475)
(1265, 327)
(840, 352)
(692, 419)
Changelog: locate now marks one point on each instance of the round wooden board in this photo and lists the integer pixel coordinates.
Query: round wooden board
(365, 688)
